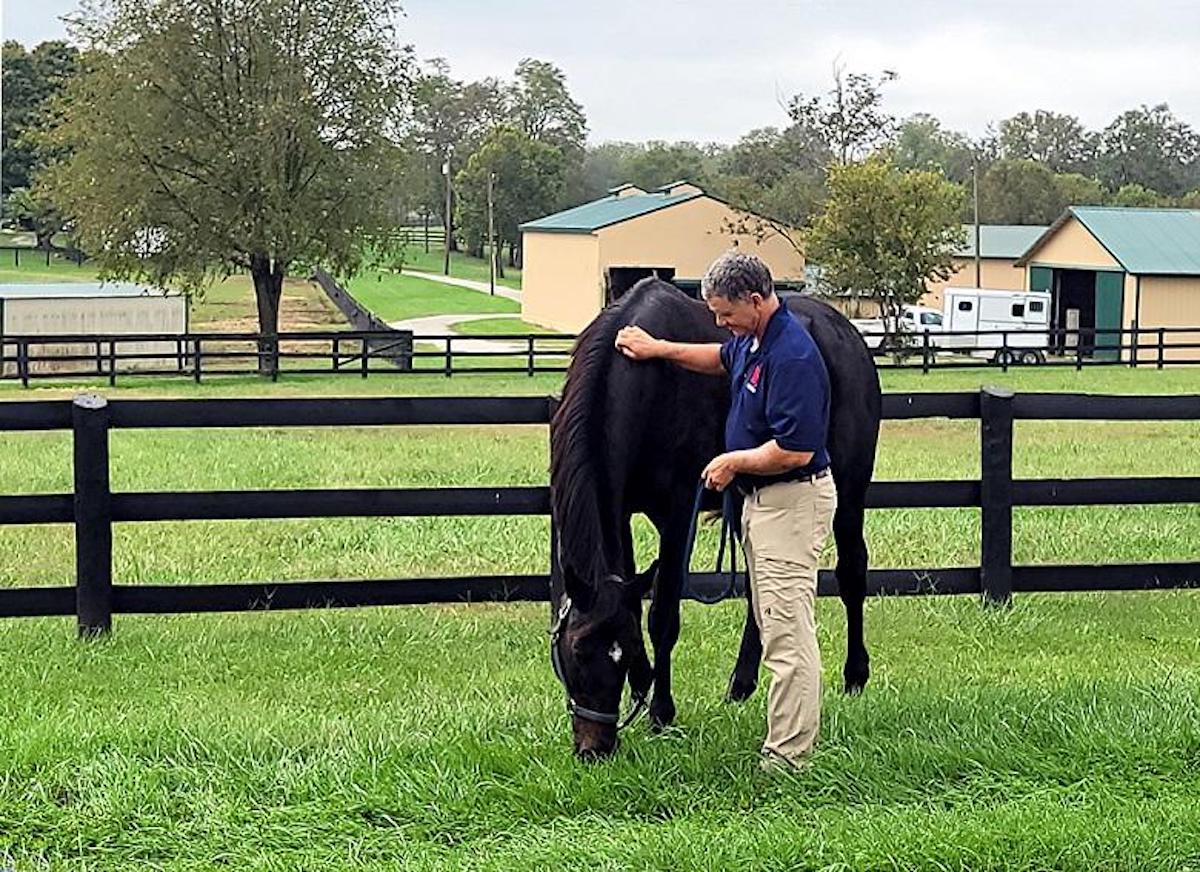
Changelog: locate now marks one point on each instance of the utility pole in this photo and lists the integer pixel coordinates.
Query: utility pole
(491, 236)
(978, 255)
(448, 222)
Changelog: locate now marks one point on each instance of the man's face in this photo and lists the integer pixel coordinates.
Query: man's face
(742, 317)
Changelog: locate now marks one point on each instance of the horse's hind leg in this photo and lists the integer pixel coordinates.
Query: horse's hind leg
(851, 575)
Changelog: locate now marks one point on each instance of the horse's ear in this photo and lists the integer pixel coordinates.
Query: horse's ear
(641, 583)
(580, 592)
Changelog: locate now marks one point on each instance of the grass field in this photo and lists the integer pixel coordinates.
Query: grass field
(493, 326)
(398, 297)
(462, 265)
(1059, 734)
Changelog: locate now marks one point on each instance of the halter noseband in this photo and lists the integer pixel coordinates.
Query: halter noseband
(574, 708)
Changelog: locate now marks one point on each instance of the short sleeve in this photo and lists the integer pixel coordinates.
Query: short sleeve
(798, 403)
(728, 352)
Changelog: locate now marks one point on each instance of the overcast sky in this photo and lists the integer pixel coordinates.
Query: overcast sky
(710, 70)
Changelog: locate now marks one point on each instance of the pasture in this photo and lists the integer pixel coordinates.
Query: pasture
(1060, 733)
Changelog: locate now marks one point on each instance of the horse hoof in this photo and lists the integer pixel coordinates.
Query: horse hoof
(661, 717)
(740, 691)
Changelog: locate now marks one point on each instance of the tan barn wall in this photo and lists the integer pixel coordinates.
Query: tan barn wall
(997, 273)
(561, 285)
(689, 237)
(1170, 301)
(1073, 246)
(100, 316)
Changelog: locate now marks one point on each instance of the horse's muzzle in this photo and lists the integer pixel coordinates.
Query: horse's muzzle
(593, 741)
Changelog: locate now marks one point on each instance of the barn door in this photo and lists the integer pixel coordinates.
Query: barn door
(1109, 288)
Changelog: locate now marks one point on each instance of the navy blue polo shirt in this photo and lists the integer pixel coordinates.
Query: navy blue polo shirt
(779, 391)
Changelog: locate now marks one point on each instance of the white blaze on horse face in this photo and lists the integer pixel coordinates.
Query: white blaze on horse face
(615, 652)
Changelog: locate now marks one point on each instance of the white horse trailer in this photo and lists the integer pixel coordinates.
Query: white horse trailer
(1016, 323)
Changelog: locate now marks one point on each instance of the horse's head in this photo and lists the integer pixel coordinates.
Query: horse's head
(595, 644)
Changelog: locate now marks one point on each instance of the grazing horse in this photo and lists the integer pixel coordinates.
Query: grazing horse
(633, 437)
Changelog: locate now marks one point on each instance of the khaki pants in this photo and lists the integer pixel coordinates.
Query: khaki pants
(784, 527)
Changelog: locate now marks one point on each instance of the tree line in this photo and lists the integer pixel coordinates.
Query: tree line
(187, 140)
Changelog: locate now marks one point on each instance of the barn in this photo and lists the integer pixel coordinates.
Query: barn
(1000, 247)
(1114, 268)
(577, 261)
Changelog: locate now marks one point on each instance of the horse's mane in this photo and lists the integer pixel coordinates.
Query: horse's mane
(587, 524)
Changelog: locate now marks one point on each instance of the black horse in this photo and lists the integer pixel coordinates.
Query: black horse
(633, 437)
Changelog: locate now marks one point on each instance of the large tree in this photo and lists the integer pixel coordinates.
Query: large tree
(1019, 192)
(922, 144)
(30, 80)
(849, 118)
(885, 232)
(528, 178)
(1058, 142)
(1150, 147)
(216, 136)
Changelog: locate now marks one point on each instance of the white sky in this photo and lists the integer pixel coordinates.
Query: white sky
(710, 70)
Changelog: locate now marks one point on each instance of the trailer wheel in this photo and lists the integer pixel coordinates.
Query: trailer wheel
(1003, 357)
(1032, 358)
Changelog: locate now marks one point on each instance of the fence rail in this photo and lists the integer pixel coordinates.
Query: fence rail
(92, 507)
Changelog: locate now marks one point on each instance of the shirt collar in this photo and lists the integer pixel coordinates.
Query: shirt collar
(774, 326)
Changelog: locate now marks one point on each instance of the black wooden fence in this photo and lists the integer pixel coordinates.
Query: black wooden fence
(93, 507)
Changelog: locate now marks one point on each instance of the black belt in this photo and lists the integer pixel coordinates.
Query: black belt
(749, 489)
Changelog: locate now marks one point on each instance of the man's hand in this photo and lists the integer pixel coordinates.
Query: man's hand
(721, 470)
(636, 344)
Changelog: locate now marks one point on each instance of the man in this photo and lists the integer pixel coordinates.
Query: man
(776, 456)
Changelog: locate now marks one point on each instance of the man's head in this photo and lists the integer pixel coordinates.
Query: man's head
(739, 292)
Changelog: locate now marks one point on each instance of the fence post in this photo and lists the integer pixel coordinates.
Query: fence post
(1004, 351)
(112, 363)
(16, 257)
(99, 357)
(1079, 350)
(530, 339)
(995, 494)
(93, 516)
(925, 352)
(366, 349)
(335, 350)
(23, 361)
(274, 357)
(47, 254)
(449, 366)
(1161, 340)
(1133, 342)
(196, 355)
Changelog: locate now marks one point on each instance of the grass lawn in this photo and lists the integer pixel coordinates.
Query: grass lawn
(462, 265)
(399, 297)
(498, 326)
(1058, 734)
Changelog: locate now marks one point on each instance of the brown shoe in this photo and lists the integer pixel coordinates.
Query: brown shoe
(773, 763)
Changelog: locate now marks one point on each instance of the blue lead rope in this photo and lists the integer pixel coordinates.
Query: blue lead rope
(729, 532)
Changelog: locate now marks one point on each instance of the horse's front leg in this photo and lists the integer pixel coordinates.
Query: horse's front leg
(664, 616)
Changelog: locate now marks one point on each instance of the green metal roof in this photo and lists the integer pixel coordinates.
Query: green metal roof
(1142, 241)
(606, 211)
(1007, 241)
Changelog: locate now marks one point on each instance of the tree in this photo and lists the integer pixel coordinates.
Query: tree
(1058, 142)
(885, 232)
(1019, 192)
(528, 179)
(1078, 190)
(541, 106)
(30, 81)
(660, 163)
(33, 211)
(1150, 147)
(240, 135)
(848, 119)
(922, 144)
(1137, 195)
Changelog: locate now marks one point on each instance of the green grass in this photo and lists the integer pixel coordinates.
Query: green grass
(399, 297)
(32, 268)
(1059, 734)
(462, 265)
(498, 326)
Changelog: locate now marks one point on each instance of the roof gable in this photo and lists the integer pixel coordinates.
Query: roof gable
(1142, 241)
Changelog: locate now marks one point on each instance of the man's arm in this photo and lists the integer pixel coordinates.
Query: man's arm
(766, 459)
(703, 357)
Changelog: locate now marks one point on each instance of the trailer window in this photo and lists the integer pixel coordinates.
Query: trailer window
(964, 305)
(1018, 310)
(931, 318)
(1036, 306)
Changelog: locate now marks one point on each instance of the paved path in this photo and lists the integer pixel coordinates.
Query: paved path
(439, 325)
(469, 284)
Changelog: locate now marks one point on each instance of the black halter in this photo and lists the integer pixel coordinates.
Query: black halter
(574, 708)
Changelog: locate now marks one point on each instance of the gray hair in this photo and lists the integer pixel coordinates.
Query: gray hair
(735, 276)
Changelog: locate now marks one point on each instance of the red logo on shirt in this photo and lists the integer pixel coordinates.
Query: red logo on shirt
(752, 384)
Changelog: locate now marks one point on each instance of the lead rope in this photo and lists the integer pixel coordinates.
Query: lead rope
(728, 534)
